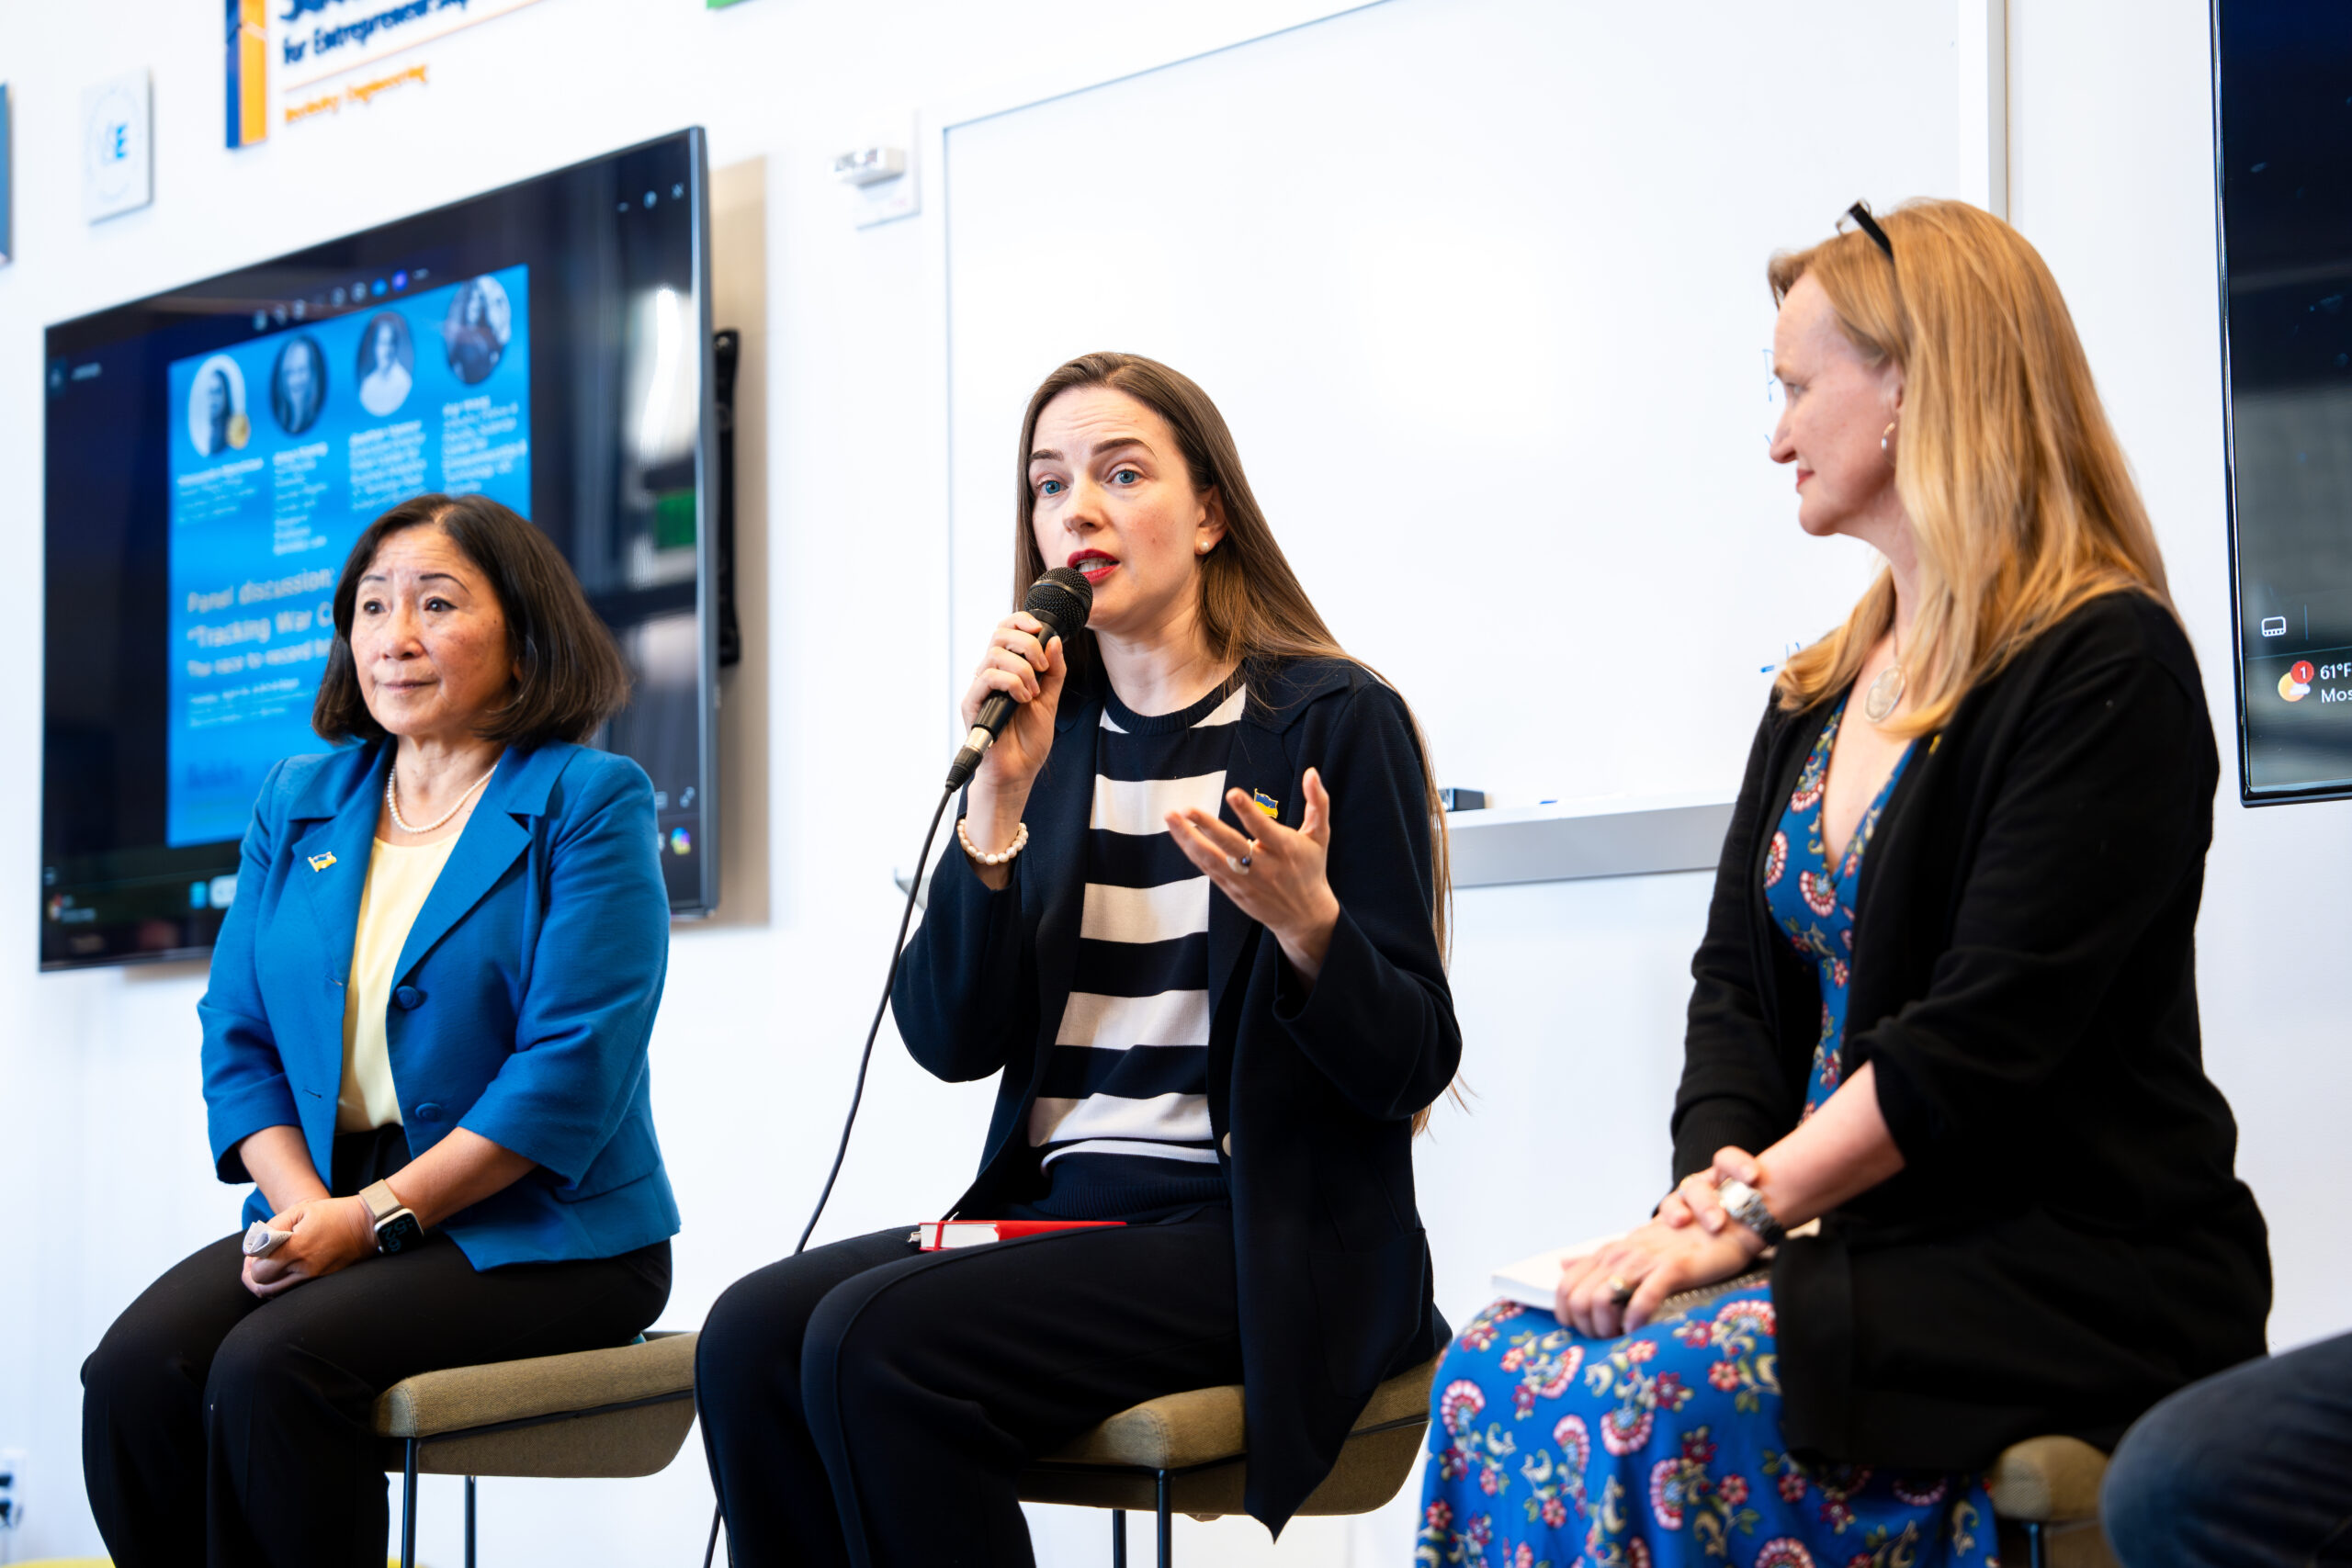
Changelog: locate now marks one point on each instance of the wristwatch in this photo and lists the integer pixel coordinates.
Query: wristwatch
(1746, 1204)
(397, 1230)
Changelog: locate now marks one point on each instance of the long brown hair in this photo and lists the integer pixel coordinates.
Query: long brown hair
(2021, 504)
(1251, 604)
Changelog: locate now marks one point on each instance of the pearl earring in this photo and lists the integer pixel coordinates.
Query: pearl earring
(1883, 434)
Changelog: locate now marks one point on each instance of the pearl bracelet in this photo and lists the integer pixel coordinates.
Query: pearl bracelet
(1003, 856)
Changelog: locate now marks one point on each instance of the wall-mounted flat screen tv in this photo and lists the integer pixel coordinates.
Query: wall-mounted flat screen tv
(213, 451)
(2283, 88)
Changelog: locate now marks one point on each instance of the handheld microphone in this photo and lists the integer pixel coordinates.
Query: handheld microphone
(1062, 599)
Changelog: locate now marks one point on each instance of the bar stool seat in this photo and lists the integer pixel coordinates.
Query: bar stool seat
(1187, 1454)
(616, 1413)
(2048, 1489)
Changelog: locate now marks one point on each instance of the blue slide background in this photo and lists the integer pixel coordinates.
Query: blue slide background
(259, 533)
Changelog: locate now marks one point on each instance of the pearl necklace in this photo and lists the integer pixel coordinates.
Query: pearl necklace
(393, 799)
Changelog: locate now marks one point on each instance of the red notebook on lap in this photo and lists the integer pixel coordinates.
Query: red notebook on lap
(938, 1235)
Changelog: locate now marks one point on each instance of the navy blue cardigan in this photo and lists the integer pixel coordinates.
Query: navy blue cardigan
(1311, 1096)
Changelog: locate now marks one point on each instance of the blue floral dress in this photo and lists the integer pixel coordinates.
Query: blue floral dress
(1662, 1447)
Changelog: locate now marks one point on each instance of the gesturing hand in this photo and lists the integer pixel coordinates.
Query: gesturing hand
(1277, 879)
(329, 1235)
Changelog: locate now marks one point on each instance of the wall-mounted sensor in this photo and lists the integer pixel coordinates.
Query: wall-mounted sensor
(877, 175)
(870, 165)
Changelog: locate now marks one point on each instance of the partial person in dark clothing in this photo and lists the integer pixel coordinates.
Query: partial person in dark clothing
(2251, 1469)
(1193, 923)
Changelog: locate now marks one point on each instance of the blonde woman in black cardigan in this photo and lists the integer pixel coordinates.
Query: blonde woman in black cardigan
(1946, 1003)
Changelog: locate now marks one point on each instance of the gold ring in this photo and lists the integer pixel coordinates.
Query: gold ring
(1620, 1293)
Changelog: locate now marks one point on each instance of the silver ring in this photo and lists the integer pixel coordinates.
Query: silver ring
(1620, 1293)
(1239, 862)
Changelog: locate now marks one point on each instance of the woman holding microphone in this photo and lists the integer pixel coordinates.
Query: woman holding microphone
(1193, 923)
(424, 1042)
(1946, 1003)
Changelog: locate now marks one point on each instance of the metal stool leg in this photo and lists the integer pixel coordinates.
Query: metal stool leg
(1168, 1525)
(1118, 1537)
(2037, 1555)
(470, 1522)
(408, 1508)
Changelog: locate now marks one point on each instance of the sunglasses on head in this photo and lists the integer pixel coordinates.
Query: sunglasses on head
(1860, 213)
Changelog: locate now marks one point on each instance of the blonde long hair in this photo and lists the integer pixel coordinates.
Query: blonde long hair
(2021, 505)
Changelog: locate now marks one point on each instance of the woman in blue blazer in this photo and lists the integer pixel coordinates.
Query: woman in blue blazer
(424, 1042)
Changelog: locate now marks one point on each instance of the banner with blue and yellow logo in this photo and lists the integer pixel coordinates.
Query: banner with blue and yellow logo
(289, 59)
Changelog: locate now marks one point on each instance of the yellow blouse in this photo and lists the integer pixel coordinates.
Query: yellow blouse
(399, 877)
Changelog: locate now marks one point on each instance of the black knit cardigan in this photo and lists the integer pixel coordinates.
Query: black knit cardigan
(2068, 1242)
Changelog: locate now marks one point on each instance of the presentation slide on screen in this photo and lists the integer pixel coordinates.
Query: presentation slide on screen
(283, 450)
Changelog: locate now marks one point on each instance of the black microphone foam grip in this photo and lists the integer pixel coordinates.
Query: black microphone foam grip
(1061, 599)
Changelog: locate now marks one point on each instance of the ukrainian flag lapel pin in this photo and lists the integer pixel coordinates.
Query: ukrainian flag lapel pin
(1266, 803)
(319, 862)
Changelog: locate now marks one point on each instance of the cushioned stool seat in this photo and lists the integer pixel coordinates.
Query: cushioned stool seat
(623, 1412)
(2048, 1489)
(1186, 1454)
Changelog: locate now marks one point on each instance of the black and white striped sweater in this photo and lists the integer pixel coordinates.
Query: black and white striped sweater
(1122, 1122)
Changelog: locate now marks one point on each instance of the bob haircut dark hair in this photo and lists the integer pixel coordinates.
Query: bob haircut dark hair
(572, 677)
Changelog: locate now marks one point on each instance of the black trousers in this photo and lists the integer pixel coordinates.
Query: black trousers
(867, 1404)
(220, 1429)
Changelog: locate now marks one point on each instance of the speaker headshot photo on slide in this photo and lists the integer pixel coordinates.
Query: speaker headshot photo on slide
(385, 354)
(216, 408)
(480, 323)
(298, 384)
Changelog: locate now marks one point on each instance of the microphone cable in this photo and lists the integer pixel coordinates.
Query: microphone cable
(1060, 598)
(857, 1095)
(889, 982)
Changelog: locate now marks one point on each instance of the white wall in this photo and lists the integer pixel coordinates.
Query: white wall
(1570, 995)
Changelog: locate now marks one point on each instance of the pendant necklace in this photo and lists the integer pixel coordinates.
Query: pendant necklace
(392, 796)
(1886, 693)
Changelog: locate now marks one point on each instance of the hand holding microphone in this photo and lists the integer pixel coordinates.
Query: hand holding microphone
(1010, 705)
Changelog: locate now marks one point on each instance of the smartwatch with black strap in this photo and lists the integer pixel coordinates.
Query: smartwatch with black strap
(397, 1230)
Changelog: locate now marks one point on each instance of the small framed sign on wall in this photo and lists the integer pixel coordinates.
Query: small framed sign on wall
(118, 147)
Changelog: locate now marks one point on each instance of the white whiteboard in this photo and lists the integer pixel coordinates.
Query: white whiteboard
(1479, 287)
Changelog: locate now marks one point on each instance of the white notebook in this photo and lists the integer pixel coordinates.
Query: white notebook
(1535, 1282)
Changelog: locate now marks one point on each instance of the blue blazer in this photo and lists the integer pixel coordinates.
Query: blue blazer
(526, 997)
